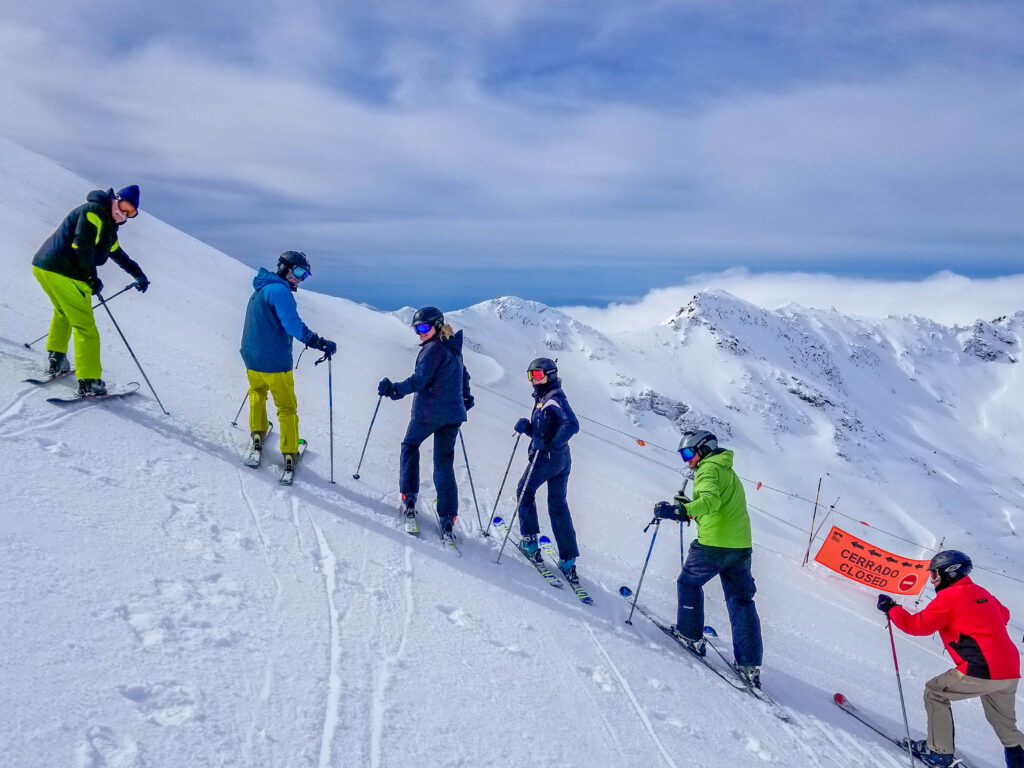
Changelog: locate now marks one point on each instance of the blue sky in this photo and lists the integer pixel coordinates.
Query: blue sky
(570, 152)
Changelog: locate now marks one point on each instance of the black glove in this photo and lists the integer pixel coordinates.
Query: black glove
(523, 427)
(885, 604)
(95, 284)
(385, 388)
(541, 444)
(666, 510)
(141, 283)
(468, 401)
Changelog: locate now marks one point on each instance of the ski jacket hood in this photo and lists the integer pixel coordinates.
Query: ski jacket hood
(972, 625)
(84, 241)
(440, 382)
(719, 504)
(271, 322)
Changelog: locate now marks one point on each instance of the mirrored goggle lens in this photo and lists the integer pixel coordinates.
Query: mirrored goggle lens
(422, 327)
(301, 273)
(535, 375)
(128, 211)
(687, 453)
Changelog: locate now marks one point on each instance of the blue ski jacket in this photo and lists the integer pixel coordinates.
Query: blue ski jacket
(440, 381)
(271, 322)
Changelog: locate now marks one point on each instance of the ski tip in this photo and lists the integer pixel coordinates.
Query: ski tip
(302, 441)
(498, 521)
(710, 631)
(544, 540)
(839, 699)
(625, 591)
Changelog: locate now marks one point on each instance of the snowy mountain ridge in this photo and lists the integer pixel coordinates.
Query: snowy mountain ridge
(165, 605)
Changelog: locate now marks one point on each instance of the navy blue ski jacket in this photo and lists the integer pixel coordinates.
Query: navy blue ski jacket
(271, 322)
(440, 381)
(552, 422)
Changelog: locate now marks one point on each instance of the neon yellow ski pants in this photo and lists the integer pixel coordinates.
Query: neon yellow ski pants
(282, 387)
(72, 310)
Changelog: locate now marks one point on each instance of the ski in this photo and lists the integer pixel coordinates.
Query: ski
(627, 594)
(755, 691)
(47, 378)
(844, 704)
(288, 475)
(113, 393)
(549, 577)
(548, 548)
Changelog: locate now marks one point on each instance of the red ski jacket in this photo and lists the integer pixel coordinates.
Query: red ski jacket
(972, 625)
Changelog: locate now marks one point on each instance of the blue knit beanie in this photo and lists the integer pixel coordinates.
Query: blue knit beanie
(130, 195)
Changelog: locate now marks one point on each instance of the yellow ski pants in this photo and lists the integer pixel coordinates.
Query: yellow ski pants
(282, 387)
(72, 310)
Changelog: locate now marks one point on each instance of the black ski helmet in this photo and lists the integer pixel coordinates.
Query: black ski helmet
(431, 315)
(290, 259)
(951, 565)
(545, 364)
(700, 441)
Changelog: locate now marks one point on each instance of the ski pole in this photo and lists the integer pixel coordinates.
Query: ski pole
(519, 497)
(656, 522)
(465, 456)
(502, 486)
(235, 422)
(132, 353)
(899, 683)
(682, 537)
(367, 440)
(28, 344)
(814, 514)
(330, 405)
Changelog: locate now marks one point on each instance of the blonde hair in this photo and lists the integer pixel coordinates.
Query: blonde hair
(446, 331)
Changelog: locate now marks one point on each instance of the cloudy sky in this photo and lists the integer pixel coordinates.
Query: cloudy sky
(570, 152)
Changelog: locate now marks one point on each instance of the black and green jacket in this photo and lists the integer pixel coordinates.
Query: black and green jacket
(84, 241)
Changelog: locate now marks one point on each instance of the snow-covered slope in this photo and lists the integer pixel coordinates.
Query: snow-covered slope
(165, 606)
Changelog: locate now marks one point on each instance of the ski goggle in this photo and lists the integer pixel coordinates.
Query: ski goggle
(130, 212)
(300, 273)
(535, 375)
(687, 454)
(422, 327)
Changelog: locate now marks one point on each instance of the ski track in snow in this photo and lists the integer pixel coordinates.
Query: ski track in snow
(382, 673)
(328, 564)
(624, 685)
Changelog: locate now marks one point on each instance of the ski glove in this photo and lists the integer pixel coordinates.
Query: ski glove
(523, 427)
(666, 510)
(326, 346)
(141, 283)
(468, 401)
(95, 284)
(386, 388)
(885, 604)
(681, 499)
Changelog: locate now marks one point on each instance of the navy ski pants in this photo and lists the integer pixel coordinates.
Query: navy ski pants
(444, 464)
(552, 469)
(702, 564)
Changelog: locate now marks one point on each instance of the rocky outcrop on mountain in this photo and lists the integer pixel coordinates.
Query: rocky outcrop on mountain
(997, 341)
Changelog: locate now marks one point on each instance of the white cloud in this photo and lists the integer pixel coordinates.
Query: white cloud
(945, 297)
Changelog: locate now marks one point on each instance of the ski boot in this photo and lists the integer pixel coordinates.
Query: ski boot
(700, 647)
(58, 364)
(409, 513)
(289, 462)
(568, 569)
(530, 547)
(447, 529)
(923, 753)
(91, 388)
(750, 675)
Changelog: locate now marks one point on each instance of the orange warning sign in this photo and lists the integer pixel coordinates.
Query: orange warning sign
(856, 559)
